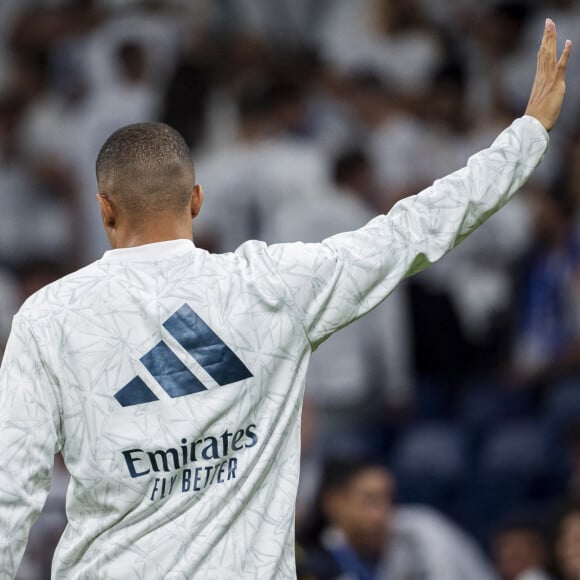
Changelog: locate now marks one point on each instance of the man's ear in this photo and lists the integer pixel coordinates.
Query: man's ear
(196, 200)
(108, 211)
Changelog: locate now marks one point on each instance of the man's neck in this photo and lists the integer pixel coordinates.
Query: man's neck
(160, 231)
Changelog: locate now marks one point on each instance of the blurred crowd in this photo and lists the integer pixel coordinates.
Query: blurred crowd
(441, 434)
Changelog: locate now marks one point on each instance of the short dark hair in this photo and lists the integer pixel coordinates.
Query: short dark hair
(338, 473)
(146, 168)
(527, 523)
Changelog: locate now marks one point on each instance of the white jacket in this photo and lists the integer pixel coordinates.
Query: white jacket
(172, 381)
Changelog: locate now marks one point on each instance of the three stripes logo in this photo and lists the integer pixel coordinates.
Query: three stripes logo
(200, 342)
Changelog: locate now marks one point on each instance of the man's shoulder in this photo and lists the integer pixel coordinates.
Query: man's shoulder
(104, 283)
(62, 292)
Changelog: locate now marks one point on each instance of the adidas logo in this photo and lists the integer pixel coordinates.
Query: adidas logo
(200, 342)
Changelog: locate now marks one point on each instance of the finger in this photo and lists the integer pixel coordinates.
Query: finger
(563, 62)
(546, 52)
(550, 37)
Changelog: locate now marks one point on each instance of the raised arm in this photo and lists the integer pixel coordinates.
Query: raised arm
(331, 284)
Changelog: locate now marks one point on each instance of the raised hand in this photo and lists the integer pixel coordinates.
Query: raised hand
(549, 86)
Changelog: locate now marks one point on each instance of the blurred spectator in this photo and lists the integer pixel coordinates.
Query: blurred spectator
(501, 34)
(282, 22)
(157, 26)
(568, 543)
(358, 533)
(331, 119)
(389, 37)
(395, 139)
(354, 520)
(23, 190)
(270, 165)
(520, 552)
(547, 346)
(231, 213)
(129, 97)
(187, 96)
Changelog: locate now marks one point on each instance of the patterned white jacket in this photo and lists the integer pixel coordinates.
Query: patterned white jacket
(172, 381)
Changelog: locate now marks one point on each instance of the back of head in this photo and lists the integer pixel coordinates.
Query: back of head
(146, 169)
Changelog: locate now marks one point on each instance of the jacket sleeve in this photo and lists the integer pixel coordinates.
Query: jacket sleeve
(335, 282)
(29, 438)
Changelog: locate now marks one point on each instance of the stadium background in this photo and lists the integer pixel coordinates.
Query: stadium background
(306, 118)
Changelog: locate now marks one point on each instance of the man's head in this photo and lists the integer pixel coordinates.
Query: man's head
(357, 498)
(519, 546)
(146, 180)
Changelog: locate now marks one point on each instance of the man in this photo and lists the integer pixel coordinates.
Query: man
(171, 379)
(358, 532)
